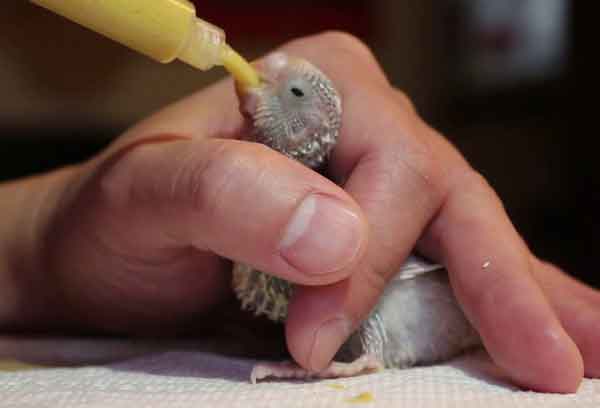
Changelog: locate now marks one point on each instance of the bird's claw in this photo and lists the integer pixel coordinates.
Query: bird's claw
(289, 370)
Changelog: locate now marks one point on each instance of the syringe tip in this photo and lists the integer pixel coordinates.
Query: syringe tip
(239, 68)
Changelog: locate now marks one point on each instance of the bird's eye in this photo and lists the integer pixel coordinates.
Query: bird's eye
(297, 92)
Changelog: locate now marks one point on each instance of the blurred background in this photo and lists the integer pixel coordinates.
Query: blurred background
(496, 77)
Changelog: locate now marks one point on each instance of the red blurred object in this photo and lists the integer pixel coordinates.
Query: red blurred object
(275, 20)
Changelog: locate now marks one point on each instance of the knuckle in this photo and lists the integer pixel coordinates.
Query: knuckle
(339, 50)
(469, 187)
(475, 181)
(117, 177)
(417, 167)
(345, 40)
(349, 43)
(471, 182)
(207, 180)
(405, 100)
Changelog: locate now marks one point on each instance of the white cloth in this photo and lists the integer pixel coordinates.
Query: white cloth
(171, 375)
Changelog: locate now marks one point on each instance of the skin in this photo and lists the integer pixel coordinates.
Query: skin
(133, 240)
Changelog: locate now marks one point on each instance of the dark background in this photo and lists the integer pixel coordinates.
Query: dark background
(65, 93)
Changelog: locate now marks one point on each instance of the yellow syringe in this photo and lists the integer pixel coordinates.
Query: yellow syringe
(164, 30)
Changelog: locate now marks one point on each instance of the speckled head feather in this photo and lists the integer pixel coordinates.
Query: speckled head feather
(296, 111)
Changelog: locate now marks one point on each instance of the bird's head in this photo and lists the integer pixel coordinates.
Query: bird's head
(295, 110)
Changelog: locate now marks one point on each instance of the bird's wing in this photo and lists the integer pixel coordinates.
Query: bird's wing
(415, 266)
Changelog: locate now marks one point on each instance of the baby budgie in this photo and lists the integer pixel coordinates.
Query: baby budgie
(297, 111)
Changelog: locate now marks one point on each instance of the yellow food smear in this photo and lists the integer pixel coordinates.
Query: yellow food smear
(364, 398)
(337, 386)
(14, 365)
(239, 68)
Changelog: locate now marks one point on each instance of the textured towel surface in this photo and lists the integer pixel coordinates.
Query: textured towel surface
(173, 375)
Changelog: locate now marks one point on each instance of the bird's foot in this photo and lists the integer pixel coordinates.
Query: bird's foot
(287, 369)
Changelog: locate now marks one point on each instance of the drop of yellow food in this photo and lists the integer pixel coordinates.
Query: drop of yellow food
(364, 398)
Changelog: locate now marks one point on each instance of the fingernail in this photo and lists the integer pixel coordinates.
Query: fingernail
(328, 340)
(323, 236)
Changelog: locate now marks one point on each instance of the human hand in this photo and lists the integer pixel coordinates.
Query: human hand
(134, 240)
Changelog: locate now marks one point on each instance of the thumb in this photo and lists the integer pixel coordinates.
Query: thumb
(241, 201)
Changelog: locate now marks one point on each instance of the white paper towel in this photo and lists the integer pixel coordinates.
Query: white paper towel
(186, 378)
